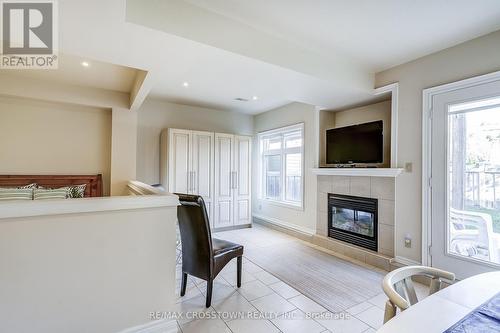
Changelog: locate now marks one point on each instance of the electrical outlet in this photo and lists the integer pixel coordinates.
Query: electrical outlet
(408, 241)
(260, 207)
(409, 167)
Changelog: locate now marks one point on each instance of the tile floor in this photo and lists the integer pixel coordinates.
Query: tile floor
(264, 303)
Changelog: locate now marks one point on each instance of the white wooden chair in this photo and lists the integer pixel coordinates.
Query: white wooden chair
(398, 286)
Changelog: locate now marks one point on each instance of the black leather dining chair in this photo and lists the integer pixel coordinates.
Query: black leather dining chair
(202, 256)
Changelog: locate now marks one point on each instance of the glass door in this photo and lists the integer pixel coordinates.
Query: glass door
(466, 180)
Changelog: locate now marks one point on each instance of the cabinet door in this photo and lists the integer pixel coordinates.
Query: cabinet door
(203, 168)
(179, 176)
(242, 176)
(224, 145)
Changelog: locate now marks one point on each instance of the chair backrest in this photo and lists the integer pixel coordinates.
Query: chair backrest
(196, 238)
(398, 285)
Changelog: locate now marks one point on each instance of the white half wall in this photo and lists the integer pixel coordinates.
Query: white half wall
(99, 265)
(294, 113)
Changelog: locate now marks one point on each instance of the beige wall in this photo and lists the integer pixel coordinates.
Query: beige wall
(364, 114)
(122, 135)
(95, 272)
(475, 57)
(290, 114)
(123, 149)
(155, 115)
(326, 121)
(54, 138)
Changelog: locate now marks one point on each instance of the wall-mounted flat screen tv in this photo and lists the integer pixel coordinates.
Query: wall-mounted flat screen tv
(362, 143)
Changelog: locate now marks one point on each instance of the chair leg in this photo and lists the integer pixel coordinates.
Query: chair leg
(390, 311)
(184, 283)
(238, 277)
(209, 293)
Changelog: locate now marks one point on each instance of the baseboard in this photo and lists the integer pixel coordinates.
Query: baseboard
(399, 262)
(233, 227)
(265, 220)
(157, 326)
(405, 261)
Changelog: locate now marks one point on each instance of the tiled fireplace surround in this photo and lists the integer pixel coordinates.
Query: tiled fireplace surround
(381, 188)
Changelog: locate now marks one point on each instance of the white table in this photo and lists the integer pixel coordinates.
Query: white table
(438, 312)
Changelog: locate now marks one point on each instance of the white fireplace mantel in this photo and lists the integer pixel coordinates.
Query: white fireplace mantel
(361, 172)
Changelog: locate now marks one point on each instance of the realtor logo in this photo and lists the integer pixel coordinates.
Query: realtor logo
(29, 38)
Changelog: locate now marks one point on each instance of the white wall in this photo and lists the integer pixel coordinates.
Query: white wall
(94, 272)
(155, 115)
(54, 138)
(290, 114)
(472, 58)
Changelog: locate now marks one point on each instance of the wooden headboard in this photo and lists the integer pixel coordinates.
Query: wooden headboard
(93, 189)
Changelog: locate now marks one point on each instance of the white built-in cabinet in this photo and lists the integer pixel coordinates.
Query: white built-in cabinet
(242, 190)
(216, 166)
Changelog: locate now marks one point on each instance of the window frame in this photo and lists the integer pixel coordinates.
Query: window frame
(283, 151)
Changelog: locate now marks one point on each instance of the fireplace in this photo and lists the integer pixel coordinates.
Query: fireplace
(353, 220)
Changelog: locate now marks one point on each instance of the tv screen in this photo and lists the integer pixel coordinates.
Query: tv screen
(355, 144)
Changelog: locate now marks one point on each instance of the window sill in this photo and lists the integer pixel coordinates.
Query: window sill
(299, 207)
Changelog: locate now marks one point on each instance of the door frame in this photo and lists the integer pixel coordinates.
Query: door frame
(427, 111)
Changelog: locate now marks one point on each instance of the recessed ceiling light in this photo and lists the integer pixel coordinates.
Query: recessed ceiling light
(85, 64)
(185, 84)
(255, 98)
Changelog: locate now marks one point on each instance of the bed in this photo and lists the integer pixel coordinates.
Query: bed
(93, 182)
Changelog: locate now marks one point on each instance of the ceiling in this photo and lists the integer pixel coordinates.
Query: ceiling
(97, 74)
(380, 34)
(281, 51)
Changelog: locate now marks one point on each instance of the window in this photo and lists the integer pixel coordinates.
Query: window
(281, 160)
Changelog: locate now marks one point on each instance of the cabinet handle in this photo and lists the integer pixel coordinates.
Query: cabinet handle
(234, 180)
(190, 185)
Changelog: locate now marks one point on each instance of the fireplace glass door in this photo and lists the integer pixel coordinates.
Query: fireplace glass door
(353, 220)
(358, 222)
